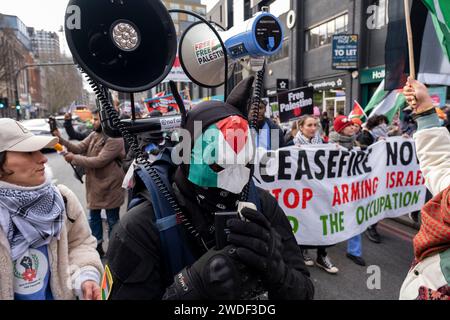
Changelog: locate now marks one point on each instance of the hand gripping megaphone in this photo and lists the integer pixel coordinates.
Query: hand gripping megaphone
(202, 56)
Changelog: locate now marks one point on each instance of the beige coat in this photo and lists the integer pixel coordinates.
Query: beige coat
(73, 252)
(104, 175)
(433, 151)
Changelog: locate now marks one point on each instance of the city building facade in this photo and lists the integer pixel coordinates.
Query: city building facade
(306, 56)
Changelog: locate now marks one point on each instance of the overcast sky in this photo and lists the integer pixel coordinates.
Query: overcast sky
(45, 14)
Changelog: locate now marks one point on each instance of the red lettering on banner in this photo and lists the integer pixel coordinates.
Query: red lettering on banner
(404, 179)
(336, 196)
(375, 184)
(276, 193)
(306, 196)
(286, 198)
(419, 177)
(344, 193)
(409, 179)
(355, 192)
(290, 198)
(391, 180)
(367, 188)
(400, 176)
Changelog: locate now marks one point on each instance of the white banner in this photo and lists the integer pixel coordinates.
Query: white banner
(331, 194)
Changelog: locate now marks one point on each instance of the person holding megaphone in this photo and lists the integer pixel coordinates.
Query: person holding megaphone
(230, 240)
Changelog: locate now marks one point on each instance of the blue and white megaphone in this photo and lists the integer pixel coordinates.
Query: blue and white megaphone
(202, 56)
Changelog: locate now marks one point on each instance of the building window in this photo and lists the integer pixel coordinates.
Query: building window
(322, 34)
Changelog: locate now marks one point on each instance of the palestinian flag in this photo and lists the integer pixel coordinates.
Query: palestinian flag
(357, 112)
(434, 63)
(430, 30)
(385, 102)
(221, 153)
(440, 13)
(106, 283)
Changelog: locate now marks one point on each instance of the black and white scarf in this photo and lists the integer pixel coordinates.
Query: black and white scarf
(300, 139)
(30, 217)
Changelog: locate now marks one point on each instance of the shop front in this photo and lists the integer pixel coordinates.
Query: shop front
(330, 95)
(370, 79)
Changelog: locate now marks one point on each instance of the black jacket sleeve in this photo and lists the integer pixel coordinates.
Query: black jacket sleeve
(297, 285)
(73, 135)
(134, 257)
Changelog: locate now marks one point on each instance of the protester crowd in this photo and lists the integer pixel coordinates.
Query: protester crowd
(158, 250)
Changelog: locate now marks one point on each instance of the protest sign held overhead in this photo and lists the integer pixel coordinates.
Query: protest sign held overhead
(295, 103)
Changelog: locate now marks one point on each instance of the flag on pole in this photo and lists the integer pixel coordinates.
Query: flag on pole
(396, 48)
(440, 13)
(385, 102)
(357, 112)
(434, 63)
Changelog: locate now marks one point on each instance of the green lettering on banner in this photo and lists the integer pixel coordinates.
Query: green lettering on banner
(415, 198)
(294, 223)
(360, 215)
(388, 203)
(334, 226)
(405, 201)
(382, 201)
(395, 195)
(341, 221)
(324, 224)
(336, 221)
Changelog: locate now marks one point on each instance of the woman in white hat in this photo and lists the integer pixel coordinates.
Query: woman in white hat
(47, 250)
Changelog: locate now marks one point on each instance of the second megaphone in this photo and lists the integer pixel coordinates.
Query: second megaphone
(202, 56)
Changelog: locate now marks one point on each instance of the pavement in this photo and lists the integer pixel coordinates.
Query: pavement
(392, 258)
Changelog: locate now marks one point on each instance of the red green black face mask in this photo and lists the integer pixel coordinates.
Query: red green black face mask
(221, 155)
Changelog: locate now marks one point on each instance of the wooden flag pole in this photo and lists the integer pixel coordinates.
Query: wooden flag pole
(412, 68)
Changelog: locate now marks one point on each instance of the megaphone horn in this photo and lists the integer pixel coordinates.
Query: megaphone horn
(203, 58)
(125, 45)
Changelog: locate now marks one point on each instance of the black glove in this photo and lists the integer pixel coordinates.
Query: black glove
(259, 246)
(218, 274)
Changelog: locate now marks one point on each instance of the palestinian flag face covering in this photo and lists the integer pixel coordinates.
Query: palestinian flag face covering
(221, 155)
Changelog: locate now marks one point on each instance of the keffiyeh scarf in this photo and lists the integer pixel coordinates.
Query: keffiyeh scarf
(434, 234)
(300, 139)
(30, 217)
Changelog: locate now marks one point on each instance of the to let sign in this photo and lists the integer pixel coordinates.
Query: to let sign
(345, 52)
